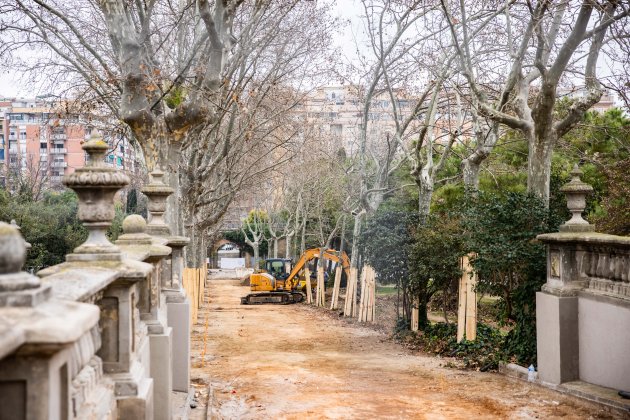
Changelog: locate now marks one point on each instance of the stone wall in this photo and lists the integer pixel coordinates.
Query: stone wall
(583, 311)
(105, 334)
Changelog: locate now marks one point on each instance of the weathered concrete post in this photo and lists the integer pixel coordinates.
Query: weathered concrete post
(557, 304)
(177, 304)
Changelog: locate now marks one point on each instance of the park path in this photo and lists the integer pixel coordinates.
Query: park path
(301, 362)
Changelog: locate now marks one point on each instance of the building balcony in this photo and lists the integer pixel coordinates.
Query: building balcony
(58, 151)
(59, 164)
(58, 136)
(56, 179)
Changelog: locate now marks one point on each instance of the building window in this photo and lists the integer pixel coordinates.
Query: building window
(336, 129)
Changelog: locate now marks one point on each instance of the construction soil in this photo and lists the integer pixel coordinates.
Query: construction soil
(298, 362)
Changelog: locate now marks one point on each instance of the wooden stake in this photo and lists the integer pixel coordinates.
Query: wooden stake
(335, 294)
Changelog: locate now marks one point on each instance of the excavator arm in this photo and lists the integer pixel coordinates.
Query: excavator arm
(330, 254)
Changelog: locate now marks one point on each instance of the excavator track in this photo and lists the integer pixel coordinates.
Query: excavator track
(274, 298)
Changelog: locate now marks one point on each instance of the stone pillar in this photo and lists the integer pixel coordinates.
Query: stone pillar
(178, 315)
(126, 349)
(557, 331)
(177, 303)
(152, 308)
(48, 366)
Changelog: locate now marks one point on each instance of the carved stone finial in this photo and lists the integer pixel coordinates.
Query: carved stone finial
(96, 184)
(157, 192)
(134, 231)
(12, 249)
(15, 225)
(17, 288)
(134, 224)
(576, 191)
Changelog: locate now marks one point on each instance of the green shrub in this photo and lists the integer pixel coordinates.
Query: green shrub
(440, 338)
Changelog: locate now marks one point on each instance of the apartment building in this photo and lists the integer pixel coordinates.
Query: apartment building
(38, 141)
(337, 112)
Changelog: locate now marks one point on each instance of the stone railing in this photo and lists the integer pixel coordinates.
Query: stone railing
(583, 310)
(105, 334)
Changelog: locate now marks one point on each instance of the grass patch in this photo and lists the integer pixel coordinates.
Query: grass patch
(386, 290)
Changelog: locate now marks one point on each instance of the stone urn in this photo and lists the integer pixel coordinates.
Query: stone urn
(96, 184)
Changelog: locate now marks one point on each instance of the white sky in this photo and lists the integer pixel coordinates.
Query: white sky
(9, 86)
(346, 38)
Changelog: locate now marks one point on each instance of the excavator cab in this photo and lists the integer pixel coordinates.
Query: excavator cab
(278, 267)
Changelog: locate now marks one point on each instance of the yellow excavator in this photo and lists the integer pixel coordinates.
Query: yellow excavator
(280, 283)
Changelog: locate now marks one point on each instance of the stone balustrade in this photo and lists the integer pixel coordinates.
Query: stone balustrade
(583, 310)
(595, 261)
(93, 337)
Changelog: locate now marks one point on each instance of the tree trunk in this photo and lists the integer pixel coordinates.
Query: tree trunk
(275, 247)
(174, 216)
(256, 248)
(425, 194)
(358, 220)
(470, 172)
(423, 303)
(539, 163)
(287, 251)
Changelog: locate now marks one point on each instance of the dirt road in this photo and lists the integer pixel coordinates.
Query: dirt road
(298, 362)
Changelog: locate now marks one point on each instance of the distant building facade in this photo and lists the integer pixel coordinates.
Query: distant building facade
(337, 112)
(38, 141)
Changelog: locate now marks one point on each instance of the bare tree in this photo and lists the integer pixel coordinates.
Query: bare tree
(253, 228)
(180, 75)
(546, 43)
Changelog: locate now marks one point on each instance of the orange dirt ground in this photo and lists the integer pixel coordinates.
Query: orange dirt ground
(298, 362)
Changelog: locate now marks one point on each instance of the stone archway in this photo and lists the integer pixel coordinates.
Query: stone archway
(221, 242)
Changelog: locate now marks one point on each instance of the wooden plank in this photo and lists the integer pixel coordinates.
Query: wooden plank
(461, 307)
(374, 296)
(321, 287)
(415, 316)
(371, 292)
(362, 301)
(200, 279)
(351, 291)
(335, 294)
(471, 305)
(309, 290)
